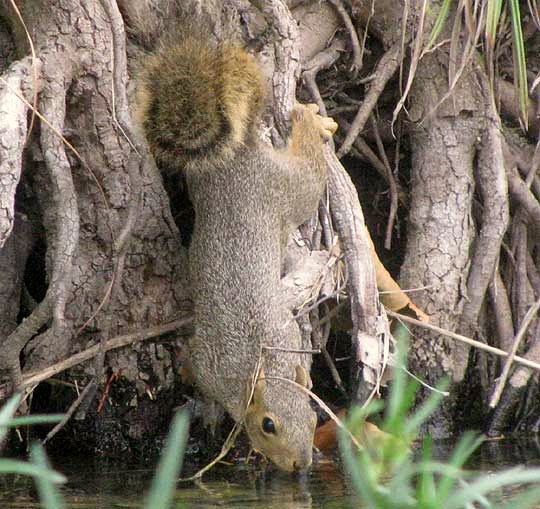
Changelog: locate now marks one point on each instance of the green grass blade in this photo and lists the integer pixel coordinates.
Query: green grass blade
(401, 487)
(527, 500)
(164, 482)
(520, 64)
(436, 467)
(465, 447)
(48, 493)
(9, 466)
(439, 24)
(425, 410)
(30, 420)
(492, 22)
(6, 414)
(426, 489)
(361, 470)
(400, 400)
(487, 484)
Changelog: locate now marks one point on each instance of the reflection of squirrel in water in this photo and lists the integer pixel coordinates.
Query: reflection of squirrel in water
(199, 106)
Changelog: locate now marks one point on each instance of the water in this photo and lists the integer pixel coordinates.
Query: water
(91, 486)
(103, 487)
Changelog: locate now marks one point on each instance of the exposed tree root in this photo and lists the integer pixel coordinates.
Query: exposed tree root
(384, 71)
(491, 179)
(529, 317)
(16, 81)
(321, 61)
(34, 377)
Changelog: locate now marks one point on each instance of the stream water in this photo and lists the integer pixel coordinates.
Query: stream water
(103, 487)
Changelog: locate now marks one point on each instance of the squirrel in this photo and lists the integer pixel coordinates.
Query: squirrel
(199, 106)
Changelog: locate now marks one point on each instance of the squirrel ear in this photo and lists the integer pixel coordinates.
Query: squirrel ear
(302, 377)
(260, 387)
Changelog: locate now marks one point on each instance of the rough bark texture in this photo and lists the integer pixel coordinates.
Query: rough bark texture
(80, 199)
(445, 252)
(440, 232)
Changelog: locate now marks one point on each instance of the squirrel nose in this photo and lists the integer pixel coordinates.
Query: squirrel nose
(302, 463)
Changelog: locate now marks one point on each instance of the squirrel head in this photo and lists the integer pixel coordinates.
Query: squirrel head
(280, 422)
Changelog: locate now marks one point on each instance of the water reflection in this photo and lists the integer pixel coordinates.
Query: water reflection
(99, 487)
(507, 453)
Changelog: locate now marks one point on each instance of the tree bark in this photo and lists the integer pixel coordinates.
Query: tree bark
(114, 262)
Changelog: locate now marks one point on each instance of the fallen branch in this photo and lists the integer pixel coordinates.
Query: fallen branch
(529, 317)
(70, 412)
(35, 377)
(463, 339)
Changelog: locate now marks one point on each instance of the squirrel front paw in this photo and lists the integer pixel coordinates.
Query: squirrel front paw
(308, 113)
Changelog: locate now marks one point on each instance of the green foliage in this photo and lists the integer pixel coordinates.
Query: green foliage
(520, 64)
(389, 477)
(48, 494)
(470, 20)
(38, 467)
(163, 485)
(492, 27)
(439, 24)
(494, 8)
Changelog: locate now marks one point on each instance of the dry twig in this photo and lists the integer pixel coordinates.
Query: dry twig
(531, 314)
(355, 43)
(70, 412)
(385, 70)
(463, 339)
(392, 186)
(78, 358)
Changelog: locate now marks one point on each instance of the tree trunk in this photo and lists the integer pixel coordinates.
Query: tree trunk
(107, 257)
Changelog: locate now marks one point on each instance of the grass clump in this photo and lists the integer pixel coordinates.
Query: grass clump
(389, 477)
(47, 479)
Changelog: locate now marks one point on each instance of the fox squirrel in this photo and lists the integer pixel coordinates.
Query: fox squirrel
(199, 105)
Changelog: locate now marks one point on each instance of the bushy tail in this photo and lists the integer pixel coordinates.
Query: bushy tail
(197, 100)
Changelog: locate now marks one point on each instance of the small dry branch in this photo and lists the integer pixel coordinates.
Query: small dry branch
(117, 342)
(385, 70)
(512, 354)
(463, 339)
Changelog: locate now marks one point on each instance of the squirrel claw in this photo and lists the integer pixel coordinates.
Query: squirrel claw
(329, 127)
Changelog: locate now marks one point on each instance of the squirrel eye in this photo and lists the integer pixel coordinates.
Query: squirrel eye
(268, 425)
